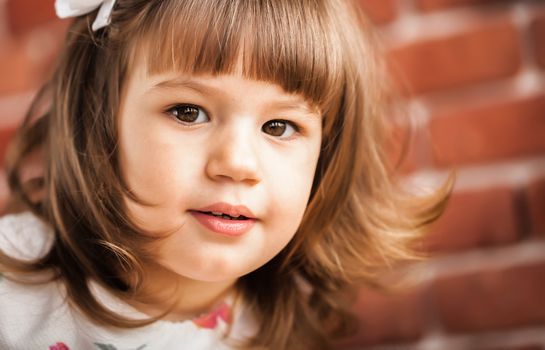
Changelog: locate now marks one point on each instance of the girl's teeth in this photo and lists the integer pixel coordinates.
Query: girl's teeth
(222, 215)
(225, 216)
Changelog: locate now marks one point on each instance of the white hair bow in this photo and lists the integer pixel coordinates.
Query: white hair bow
(73, 8)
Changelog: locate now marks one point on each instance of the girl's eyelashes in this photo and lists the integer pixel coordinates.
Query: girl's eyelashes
(188, 114)
(280, 128)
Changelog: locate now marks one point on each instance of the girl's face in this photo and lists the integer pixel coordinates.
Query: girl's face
(192, 145)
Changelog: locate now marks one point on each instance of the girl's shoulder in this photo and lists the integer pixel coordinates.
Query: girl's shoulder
(27, 309)
(24, 236)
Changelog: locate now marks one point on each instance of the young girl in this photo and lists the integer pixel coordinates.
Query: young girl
(214, 176)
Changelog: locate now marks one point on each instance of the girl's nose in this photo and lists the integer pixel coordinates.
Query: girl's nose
(234, 157)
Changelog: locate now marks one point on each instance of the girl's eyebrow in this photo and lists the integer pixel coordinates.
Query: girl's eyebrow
(288, 105)
(177, 83)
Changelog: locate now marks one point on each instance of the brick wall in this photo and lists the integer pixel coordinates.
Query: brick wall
(474, 72)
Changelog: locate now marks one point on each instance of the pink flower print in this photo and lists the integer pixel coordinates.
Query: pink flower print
(210, 320)
(59, 346)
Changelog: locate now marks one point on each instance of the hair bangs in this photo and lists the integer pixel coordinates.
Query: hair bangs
(289, 43)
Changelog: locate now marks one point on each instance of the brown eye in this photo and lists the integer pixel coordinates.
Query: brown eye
(279, 128)
(189, 114)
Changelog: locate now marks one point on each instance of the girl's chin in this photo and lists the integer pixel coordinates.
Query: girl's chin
(208, 276)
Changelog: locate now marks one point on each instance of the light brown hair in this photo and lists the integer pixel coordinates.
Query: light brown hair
(357, 221)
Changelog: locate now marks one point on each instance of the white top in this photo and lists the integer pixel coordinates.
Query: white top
(38, 317)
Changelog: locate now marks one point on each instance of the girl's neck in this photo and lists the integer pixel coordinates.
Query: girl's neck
(186, 298)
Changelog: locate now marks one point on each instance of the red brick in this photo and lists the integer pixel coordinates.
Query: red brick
(503, 130)
(25, 63)
(486, 53)
(475, 219)
(4, 31)
(536, 206)
(23, 15)
(13, 108)
(390, 318)
(16, 69)
(537, 33)
(492, 300)
(521, 347)
(380, 11)
(432, 5)
(5, 136)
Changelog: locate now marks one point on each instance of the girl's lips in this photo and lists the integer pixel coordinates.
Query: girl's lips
(229, 209)
(223, 226)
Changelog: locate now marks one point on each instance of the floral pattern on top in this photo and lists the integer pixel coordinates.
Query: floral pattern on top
(111, 347)
(210, 320)
(59, 346)
(62, 346)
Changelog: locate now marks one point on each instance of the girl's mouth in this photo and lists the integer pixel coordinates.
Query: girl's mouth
(224, 216)
(223, 224)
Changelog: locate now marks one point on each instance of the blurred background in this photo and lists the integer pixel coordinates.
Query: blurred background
(473, 72)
